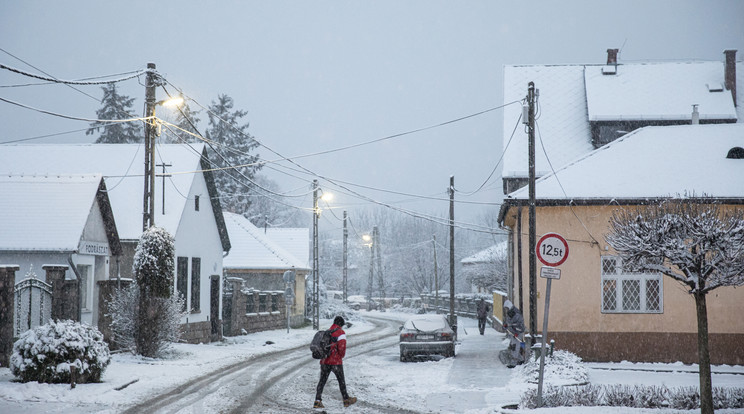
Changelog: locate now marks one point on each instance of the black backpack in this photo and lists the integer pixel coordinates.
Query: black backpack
(321, 344)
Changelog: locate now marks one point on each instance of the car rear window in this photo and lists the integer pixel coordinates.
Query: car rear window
(426, 324)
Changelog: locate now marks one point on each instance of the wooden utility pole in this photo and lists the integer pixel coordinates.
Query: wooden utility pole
(453, 317)
(380, 278)
(148, 206)
(346, 261)
(316, 277)
(532, 236)
(436, 274)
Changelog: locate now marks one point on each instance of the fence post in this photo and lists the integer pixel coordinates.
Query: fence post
(55, 276)
(7, 304)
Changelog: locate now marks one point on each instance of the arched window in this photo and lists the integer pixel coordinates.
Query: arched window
(736, 153)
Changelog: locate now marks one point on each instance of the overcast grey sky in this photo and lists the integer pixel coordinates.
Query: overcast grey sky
(319, 75)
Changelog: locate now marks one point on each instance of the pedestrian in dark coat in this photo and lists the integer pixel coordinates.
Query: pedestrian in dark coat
(483, 309)
(334, 363)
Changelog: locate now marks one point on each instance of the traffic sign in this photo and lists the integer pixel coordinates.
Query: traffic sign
(289, 293)
(550, 272)
(552, 249)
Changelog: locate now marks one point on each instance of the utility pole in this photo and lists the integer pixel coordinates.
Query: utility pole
(370, 285)
(380, 279)
(436, 274)
(316, 277)
(148, 207)
(346, 261)
(164, 175)
(453, 317)
(532, 236)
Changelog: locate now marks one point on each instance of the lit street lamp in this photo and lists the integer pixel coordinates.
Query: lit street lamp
(316, 277)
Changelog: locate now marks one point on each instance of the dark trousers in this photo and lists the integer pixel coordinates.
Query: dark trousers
(325, 371)
(482, 325)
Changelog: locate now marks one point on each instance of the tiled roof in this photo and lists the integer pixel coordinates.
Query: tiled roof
(294, 240)
(488, 255)
(45, 213)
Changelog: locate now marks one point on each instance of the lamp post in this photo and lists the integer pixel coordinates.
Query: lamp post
(316, 277)
(369, 242)
(152, 80)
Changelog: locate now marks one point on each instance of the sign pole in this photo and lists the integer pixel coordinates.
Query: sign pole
(542, 347)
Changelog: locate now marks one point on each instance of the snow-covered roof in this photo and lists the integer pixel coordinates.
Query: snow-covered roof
(652, 162)
(563, 127)
(254, 250)
(294, 240)
(45, 213)
(122, 168)
(658, 91)
(488, 255)
(570, 96)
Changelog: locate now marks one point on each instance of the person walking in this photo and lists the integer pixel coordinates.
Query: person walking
(482, 314)
(334, 363)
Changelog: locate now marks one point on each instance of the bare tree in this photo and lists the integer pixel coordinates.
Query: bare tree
(692, 241)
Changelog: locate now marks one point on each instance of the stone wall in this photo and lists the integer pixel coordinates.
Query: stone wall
(254, 310)
(7, 302)
(196, 332)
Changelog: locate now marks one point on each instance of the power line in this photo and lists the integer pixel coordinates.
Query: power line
(75, 117)
(71, 82)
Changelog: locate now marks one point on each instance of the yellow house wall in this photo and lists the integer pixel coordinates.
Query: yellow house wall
(575, 302)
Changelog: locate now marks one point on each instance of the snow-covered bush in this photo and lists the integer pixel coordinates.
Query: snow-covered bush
(154, 262)
(562, 368)
(588, 396)
(122, 308)
(46, 353)
(330, 309)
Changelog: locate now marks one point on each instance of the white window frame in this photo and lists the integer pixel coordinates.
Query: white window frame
(620, 276)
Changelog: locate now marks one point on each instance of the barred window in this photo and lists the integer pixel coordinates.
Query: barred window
(625, 292)
(262, 305)
(250, 303)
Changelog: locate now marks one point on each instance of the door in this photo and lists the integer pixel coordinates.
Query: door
(214, 305)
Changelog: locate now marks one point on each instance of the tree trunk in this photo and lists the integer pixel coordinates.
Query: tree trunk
(706, 387)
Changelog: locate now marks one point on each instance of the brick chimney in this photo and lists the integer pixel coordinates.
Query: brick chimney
(730, 72)
(612, 56)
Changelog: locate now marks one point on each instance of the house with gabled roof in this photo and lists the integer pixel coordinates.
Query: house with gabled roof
(599, 310)
(186, 205)
(584, 106)
(61, 221)
(260, 261)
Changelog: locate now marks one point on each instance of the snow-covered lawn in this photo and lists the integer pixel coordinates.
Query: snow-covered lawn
(445, 385)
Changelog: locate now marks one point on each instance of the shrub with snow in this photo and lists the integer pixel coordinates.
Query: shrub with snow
(154, 261)
(46, 353)
(562, 368)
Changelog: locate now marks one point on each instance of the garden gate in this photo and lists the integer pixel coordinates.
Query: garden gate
(33, 305)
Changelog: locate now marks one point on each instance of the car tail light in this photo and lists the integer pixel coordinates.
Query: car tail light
(406, 336)
(445, 335)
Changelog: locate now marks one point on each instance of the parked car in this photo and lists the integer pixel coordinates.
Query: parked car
(426, 334)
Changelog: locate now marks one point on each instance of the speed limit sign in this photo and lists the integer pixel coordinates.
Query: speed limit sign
(552, 249)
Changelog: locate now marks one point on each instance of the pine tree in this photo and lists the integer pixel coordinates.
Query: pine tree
(231, 150)
(116, 106)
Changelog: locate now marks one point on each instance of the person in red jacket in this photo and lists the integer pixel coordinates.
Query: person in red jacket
(334, 363)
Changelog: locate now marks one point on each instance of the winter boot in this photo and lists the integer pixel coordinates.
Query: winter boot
(349, 401)
(318, 404)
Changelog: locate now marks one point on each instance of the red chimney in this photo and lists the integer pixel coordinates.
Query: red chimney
(730, 72)
(612, 56)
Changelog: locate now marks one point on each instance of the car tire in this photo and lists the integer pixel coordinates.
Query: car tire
(403, 358)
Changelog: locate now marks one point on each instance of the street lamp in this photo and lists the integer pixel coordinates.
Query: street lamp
(316, 277)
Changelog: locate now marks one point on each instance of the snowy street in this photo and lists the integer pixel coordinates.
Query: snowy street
(247, 374)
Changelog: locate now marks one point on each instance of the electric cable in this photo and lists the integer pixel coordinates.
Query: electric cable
(71, 82)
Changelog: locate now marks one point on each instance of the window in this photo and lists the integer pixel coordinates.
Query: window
(250, 303)
(262, 298)
(624, 292)
(196, 203)
(195, 283)
(86, 287)
(182, 274)
(274, 303)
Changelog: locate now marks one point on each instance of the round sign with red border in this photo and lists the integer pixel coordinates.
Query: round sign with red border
(552, 249)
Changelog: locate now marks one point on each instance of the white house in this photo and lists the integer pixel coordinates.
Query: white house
(64, 221)
(186, 204)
